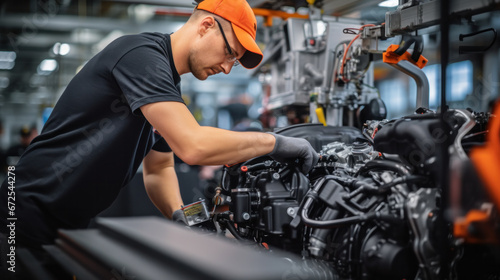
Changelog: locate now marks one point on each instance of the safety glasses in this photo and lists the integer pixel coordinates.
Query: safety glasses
(230, 56)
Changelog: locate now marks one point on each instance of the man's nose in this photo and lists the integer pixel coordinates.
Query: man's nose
(227, 66)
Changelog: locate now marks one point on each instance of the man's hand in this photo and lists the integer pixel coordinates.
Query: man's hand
(288, 149)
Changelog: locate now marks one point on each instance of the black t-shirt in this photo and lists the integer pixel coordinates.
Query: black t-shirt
(94, 140)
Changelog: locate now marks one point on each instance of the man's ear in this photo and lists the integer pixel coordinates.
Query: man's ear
(205, 24)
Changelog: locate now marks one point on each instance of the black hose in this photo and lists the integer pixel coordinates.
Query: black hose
(233, 230)
(401, 180)
(384, 164)
(346, 221)
(311, 197)
(257, 166)
(363, 186)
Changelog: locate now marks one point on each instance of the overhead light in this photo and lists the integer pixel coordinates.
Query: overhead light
(7, 60)
(85, 36)
(389, 3)
(4, 82)
(47, 66)
(7, 65)
(61, 49)
(141, 12)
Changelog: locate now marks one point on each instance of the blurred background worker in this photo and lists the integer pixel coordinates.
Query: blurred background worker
(26, 135)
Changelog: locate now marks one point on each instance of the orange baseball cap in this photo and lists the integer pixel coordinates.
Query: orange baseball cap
(244, 24)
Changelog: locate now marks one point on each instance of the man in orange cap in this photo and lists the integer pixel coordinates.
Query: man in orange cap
(101, 129)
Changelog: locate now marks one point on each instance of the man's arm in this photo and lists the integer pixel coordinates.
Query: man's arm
(201, 145)
(161, 182)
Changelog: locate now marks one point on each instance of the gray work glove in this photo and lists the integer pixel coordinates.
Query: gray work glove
(178, 217)
(288, 149)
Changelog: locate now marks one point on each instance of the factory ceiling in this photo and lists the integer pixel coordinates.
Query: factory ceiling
(69, 32)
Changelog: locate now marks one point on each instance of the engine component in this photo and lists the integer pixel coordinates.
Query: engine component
(422, 215)
(368, 210)
(375, 110)
(348, 157)
(196, 212)
(327, 217)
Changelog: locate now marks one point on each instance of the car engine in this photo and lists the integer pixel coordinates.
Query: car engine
(370, 209)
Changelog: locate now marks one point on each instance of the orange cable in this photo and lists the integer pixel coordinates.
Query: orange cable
(348, 47)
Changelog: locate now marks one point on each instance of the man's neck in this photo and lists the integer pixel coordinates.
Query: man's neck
(180, 51)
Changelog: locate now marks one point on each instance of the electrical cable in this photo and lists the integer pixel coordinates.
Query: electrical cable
(233, 230)
(348, 47)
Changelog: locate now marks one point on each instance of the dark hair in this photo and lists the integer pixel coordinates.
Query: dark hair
(25, 131)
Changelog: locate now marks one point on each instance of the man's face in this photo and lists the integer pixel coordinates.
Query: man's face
(212, 55)
(25, 140)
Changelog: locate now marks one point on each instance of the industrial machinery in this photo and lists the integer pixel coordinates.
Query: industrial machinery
(319, 69)
(372, 208)
(318, 64)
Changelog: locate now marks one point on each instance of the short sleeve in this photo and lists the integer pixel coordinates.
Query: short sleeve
(144, 75)
(161, 146)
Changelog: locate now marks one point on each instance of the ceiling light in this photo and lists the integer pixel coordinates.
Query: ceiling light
(7, 60)
(389, 3)
(7, 56)
(61, 49)
(47, 66)
(4, 82)
(6, 65)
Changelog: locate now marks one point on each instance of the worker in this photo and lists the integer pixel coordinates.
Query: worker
(124, 108)
(26, 135)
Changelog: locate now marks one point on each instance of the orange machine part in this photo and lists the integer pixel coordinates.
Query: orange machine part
(475, 227)
(486, 159)
(269, 14)
(393, 58)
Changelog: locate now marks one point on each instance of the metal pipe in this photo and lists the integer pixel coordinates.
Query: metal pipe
(420, 78)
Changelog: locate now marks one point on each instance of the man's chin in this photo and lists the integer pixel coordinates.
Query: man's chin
(201, 76)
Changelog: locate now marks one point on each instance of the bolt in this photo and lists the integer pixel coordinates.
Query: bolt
(246, 216)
